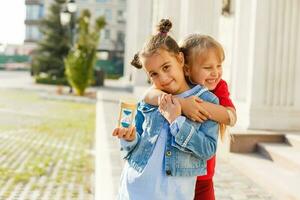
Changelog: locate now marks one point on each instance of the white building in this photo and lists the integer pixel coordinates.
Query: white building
(113, 35)
(262, 46)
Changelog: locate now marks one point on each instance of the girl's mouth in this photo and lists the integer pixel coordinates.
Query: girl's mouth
(211, 81)
(167, 84)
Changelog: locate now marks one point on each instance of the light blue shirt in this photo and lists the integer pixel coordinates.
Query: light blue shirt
(152, 183)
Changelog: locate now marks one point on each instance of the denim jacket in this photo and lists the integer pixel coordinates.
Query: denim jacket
(189, 145)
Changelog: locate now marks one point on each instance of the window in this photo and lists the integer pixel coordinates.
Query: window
(32, 33)
(120, 13)
(108, 15)
(99, 12)
(121, 17)
(107, 34)
(34, 12)
(121, 37)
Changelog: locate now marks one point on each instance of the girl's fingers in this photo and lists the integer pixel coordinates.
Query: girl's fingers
(175, 101)
(115, 132)
(122, 133)
(159, 99)
(169, 98)
(130, 133)
(197, 119)
(204, 114)
(192, 117)
(126, 135)
(164, 100)
(201, 116)
(198, 100)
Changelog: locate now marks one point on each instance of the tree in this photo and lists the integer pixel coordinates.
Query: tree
(81, 59)
(54, 45)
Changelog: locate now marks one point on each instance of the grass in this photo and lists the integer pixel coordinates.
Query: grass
(54, 139)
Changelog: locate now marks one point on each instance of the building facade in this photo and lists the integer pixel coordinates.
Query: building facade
(34, 12)
(261, 41)
(113, 35)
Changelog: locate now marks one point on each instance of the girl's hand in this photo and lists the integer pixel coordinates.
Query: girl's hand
(169, 107)
(192, 109)
(127, 134)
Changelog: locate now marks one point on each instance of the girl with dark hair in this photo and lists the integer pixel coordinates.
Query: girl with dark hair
(165, 151)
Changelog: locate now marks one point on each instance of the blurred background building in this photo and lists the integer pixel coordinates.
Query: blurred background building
(112, 40)
(112, 37)
(261, 41)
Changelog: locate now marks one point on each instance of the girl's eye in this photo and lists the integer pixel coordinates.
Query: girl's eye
(152, 75)
(219, 66)
(165, 68)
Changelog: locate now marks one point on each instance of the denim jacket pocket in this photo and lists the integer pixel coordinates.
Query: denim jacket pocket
(186, 160)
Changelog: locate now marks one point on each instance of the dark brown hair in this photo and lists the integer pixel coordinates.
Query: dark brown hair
(161, 40)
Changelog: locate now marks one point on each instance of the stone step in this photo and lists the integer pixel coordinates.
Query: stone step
(246, 141)
(281, 154)
(279, 181)
(293, 140)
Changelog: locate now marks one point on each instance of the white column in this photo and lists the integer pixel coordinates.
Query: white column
(266, 64)
(167, 9)
(200, 16)
(138, 29)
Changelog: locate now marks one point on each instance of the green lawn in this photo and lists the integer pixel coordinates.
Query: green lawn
(45, 147)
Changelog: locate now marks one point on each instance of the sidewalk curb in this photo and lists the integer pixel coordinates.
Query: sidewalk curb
(103, 172)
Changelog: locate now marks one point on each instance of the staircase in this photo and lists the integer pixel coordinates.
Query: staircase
(272, 160)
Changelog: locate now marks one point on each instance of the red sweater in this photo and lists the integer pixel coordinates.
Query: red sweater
(221, 91)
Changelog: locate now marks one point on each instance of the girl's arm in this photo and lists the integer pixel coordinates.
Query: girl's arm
(201, 141)
(151, 96)
(196, 109)
(191, 108)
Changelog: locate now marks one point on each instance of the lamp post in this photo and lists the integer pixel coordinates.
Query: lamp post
(67, 17)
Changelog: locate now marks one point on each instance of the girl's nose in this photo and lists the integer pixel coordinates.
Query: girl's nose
(214, 72)
(163, 79)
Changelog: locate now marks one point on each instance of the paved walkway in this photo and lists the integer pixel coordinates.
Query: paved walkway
(230, 184)
(45, 148)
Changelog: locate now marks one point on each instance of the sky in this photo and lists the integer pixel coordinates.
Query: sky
(12, 16)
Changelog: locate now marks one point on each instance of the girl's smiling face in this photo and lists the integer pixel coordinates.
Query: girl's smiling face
(206, 69)
(166, 71)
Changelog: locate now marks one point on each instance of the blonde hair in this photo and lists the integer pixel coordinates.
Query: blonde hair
(195, 45)
(198, 45)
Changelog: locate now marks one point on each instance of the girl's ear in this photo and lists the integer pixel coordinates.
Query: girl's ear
(181, 59)
(148, 77)
(186, 70)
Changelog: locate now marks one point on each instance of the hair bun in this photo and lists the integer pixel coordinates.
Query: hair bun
(136, 61)
(164, 26)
